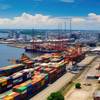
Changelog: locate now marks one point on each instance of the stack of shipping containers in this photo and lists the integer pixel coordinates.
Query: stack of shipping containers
(26, 82)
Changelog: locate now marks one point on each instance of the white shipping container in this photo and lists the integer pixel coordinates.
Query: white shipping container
(16, 75)
(29, 75)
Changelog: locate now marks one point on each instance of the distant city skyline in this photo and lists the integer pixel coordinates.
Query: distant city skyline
(50, 14)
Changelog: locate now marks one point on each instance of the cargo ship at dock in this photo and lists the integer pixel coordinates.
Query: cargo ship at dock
(47, 46)
(41, 50)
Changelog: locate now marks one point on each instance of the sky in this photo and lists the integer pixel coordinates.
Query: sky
(50, 14)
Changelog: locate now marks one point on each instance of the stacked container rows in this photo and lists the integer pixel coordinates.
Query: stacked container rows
(27, 82)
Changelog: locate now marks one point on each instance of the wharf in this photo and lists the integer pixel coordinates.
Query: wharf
(56, 86)
(14, 44)
(17, 45)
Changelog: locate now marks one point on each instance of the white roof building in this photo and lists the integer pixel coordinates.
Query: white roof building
(96, 49)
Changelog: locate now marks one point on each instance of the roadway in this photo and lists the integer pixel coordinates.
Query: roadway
(86, 92)
(56, 86)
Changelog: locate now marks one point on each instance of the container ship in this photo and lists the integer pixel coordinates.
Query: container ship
(41, 50)
(48, 46)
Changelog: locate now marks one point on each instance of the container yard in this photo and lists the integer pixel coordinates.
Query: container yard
(32, 76)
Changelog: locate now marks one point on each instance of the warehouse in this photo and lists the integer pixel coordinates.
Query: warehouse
(97, 95)
(95, 50)
(99, 79)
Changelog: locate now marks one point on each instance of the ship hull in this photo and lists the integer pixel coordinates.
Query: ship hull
(41, 51)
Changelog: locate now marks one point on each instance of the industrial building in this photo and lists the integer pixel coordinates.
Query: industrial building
(97, 95)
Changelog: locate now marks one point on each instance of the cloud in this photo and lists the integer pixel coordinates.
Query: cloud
(94, 17)
(4, 6)
(92, 22)
(78, 20)
(28, 21)
(25, 20)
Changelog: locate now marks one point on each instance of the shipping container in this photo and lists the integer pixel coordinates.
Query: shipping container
(17, 78)
(5, 84)
(8, 70)
(12, 96)
(22, 90)
(52, 75)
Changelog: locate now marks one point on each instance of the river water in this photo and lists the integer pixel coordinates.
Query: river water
(8, 53)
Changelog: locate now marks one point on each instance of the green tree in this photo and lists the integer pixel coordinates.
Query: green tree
(56, 96)
(78, 85)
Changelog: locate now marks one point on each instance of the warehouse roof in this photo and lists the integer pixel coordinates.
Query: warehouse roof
(96, 49)
(99, 79)
(97, 93)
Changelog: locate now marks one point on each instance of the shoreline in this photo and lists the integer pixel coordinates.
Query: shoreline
(16, 45)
